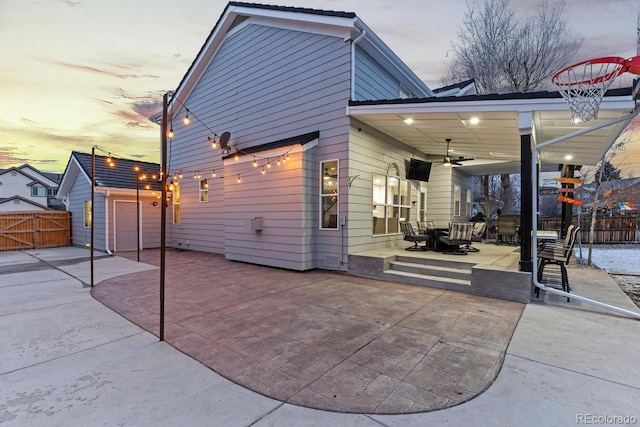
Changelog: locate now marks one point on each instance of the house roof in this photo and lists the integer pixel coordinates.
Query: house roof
(340, 24)
(22, 199)
(35, 175)
(457, 89)
(122, 176)
(287, 142)
(494, 142)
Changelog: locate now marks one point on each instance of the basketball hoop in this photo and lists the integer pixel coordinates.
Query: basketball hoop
(584, 84)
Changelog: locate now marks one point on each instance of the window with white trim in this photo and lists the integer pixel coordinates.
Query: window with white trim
(38, 191)
(468, 212)
(391, 202)
(87, 213)
(204, 190)
(329, 197)
(175, 197)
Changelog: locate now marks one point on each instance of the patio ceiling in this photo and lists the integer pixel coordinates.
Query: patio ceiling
(494, 141)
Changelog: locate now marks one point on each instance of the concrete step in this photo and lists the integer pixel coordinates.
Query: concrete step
(457, 263)
(459, 272)
(426, 280)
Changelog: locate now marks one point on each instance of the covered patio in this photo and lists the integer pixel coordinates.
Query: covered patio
(496, 134)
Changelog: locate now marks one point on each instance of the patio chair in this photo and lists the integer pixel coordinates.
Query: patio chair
(558, 243)
(507, 227)
(559, 256)
(459, 234)
(410, 235)
(423, 226)
(476, 236)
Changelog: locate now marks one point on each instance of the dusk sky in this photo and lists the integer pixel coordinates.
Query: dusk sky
(79, 73)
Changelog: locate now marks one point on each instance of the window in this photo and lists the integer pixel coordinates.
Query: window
(87, 213)
(204, 190)
(457, 198)
(391, 203)
(329, 195)
(422, 208)
(468, 212)
(38, 191)
(176, 203)
(52, 192)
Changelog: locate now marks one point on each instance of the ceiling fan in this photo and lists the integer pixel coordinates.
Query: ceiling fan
(450, 161)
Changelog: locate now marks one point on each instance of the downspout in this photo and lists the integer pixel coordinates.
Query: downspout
(534, 228)
(363, 32)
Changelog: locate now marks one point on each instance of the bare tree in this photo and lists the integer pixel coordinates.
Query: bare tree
(504, 53)
(605, 172)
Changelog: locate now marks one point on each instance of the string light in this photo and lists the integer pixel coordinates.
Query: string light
(239, 180)
(236, 157)
(180, 174)
(186, 119)
(255, 164)
(170, 133)
(287, 155)
(263, 171)
(278, 160)
(213, 173)
(268, 164)
(213, 142)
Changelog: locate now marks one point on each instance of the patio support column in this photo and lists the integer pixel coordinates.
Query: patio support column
(526, 204)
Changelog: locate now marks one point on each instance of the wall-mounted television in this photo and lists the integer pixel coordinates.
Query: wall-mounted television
(418, 170)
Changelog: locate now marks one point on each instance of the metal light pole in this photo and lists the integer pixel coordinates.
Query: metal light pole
(163, 210)
(93, 189)
(138, 210)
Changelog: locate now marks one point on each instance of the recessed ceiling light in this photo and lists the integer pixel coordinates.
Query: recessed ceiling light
(408, 121)
(474, 120)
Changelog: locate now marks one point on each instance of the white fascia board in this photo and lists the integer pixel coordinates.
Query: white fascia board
(334, 29)
(69, 178)
(510, 105)
(111, 191)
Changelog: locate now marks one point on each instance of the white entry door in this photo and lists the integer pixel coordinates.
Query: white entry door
(126, 231)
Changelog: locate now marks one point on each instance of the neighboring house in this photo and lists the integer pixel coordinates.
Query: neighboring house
(324, 140)
(117, 190)
(25, 188)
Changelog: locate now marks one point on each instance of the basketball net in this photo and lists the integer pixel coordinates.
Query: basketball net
(584, 84)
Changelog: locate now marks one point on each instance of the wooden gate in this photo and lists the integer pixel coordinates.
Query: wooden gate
(34, 230)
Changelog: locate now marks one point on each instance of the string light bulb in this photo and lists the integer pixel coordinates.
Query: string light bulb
(170, 133)
(236, 157)
(268, 163)
(255, 164)
(287, 156)
(213, 173)
(278, 160)
(180, 174)
(263, 171)
(186, 119)
(239, 180)
(212, 141)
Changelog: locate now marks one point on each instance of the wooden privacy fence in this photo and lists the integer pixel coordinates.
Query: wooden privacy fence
(616, 229)
(34, 230)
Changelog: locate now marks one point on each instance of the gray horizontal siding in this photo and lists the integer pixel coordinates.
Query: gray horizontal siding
(81, 236)
(372, 81)
(264, 84)
(372, 152)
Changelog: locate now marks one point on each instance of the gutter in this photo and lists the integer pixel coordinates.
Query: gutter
(534, 229)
